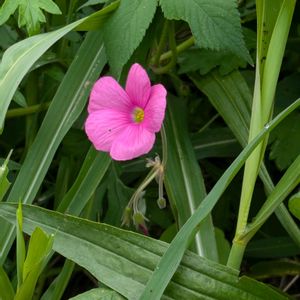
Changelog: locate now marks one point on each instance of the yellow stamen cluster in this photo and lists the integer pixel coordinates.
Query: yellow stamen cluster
(138, 115)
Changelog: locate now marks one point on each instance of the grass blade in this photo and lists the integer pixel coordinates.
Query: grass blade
(184, 181)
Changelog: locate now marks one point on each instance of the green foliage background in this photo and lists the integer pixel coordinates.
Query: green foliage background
(74, 197)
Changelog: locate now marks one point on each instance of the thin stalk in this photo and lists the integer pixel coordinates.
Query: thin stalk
(164, 144)
(180, 48)
(172, 43)
(161, 43)
(24, 111)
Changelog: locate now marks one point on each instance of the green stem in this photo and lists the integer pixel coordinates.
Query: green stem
(161, 43)
(19, 112)
(164, 146)
(180, 48)
(236, 255)
(172, 42)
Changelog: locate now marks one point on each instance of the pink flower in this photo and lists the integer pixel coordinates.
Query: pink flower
(124, 122)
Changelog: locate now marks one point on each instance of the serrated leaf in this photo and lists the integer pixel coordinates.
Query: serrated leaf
(294, 205)
(285, 141)
(30, 12)
(49, 6)
(7, 9)
(125, 30)
(91, 2)
(215, 24)
(205, 60)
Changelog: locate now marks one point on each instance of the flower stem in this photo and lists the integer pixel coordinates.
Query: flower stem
(164, 146)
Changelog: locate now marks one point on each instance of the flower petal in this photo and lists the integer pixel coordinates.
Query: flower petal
(107, 93)
(132, 142)
(155, 109)
(103, 126)
(138, 85)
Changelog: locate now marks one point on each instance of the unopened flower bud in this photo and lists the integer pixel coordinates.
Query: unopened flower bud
(161, 202)
(126, 216)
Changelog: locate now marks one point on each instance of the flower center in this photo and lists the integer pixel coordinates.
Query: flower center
(138, 115)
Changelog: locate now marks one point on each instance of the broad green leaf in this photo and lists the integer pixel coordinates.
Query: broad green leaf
(19, 58)
(285, 144)
(215, 24)
(184, 181)
(30, 12)
(124, 260)
(275, 268)
(31, 15)
(74, 89)
(96, 294)
(4, 183)
(124, 31)
(40, 245)
(6, 290)
(172, 257)
(294, 205)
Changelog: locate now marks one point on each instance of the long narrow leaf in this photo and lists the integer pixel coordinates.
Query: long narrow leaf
(124, 260)
(184, 181)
